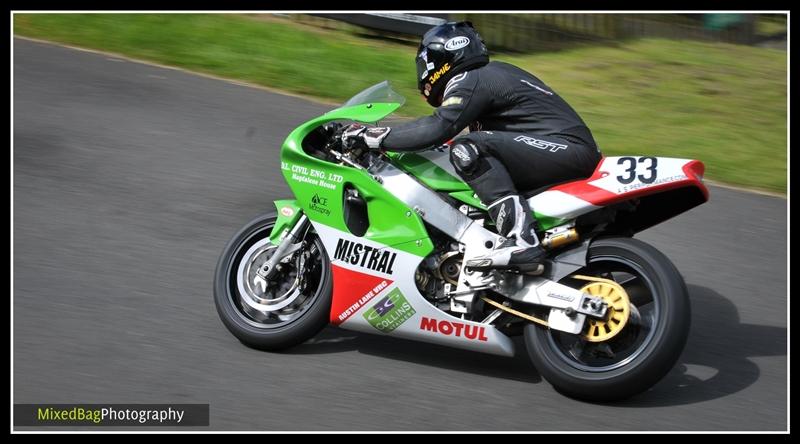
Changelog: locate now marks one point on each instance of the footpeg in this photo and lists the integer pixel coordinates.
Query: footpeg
(486, 265)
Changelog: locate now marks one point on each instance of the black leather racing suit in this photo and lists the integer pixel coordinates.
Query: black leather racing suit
(522, 134)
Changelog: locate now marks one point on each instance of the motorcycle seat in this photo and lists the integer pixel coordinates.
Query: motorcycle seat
(535, 191)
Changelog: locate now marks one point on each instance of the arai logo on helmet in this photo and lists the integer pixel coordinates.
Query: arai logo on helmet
(456, 43)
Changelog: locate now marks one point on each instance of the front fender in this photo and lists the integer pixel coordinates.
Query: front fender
(288, 215)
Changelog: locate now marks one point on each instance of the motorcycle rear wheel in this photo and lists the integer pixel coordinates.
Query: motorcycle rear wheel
(646, 348)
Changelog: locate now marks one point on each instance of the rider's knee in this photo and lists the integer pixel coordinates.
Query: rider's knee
(467, 159)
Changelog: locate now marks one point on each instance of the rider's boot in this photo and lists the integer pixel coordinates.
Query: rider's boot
(520, 250)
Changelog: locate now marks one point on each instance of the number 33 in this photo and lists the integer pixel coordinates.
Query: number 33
(631, 170)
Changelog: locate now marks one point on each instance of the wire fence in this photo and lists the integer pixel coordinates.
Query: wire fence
(533, 32)
(547, 32)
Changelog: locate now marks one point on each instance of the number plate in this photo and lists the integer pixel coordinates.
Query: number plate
(629, 173)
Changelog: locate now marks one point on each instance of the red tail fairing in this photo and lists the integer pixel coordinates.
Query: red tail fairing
(606, 185)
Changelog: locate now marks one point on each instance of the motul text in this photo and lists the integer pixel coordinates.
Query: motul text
(458, 329)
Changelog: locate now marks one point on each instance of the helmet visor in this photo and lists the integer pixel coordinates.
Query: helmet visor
(423, 66)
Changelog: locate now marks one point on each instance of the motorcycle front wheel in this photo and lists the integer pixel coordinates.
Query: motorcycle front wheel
(287, 310)
(644, 349)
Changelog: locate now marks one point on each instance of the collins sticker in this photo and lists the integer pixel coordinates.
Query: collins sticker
(390, 312)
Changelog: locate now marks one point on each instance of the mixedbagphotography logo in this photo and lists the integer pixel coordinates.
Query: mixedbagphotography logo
(181, 415)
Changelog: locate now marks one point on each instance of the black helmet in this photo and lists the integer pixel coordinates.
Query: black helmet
(446, 50)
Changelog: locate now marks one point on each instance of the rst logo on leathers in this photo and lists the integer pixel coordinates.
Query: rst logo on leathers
(365, 256)
(541, 144)
(390, 312)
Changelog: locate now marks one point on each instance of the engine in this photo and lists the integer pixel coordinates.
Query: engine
(441, 267)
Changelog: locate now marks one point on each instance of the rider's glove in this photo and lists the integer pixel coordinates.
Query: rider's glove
(357, 136)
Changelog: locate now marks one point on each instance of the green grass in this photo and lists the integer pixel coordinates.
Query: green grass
(771, 24)
(720, 103)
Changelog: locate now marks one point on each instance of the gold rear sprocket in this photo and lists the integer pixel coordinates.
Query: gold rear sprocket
(619, 308)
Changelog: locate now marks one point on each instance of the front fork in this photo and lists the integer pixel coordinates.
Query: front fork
(288, 243)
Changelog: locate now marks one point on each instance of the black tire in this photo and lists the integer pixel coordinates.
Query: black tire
(250, 331)
(661, 342)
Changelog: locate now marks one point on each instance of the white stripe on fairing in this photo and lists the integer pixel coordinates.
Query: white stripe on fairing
(404, 267)
(559, 204)
(440, 159)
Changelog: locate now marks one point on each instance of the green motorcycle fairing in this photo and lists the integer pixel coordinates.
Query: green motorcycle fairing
(427, 172)
(319, 186)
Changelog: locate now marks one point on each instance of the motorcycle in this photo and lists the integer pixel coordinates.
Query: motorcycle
(376, 242)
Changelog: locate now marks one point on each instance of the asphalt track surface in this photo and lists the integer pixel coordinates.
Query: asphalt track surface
(128, 181)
